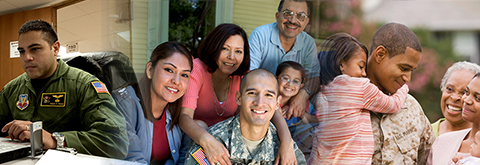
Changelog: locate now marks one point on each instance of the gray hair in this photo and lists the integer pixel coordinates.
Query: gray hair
(459, 66)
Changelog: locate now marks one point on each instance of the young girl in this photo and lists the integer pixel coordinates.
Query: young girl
(344, 135)
(290, 76)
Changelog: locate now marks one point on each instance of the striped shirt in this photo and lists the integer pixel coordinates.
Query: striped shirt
(343, 109)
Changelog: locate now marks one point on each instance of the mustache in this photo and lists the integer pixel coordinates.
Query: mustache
(291, 23)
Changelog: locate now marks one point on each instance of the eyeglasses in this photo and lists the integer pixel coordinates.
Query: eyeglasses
(287, 79)
(287, 14)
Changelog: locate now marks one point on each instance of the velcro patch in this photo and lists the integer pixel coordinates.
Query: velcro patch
(53, 99)
(100, 87)
(200, 157)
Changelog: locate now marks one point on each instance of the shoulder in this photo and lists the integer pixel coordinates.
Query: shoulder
(265, 28)
(199, 68)
(17, 82)
(306, 38)
(222, 127)
(262, 32)
(451, 136)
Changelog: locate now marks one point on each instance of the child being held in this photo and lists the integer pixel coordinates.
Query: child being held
(344, 103)
(474, 158)
(290, 76)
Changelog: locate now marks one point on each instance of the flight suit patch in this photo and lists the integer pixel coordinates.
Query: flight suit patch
(22, 102)
(100, 87)
(53, 99)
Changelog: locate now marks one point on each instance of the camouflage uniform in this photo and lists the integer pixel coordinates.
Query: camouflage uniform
(229, 134)
(404, 137)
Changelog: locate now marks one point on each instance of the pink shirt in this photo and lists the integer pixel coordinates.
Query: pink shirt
(200, 96)
(344, 135)
(446, 146)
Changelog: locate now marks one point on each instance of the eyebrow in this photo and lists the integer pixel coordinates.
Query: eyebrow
(272, 92)
(32, 45)
(167, 63)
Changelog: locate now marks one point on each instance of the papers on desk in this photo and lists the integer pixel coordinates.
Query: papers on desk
(53, 157)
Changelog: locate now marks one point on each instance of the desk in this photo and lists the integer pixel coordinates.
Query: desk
(52, 157)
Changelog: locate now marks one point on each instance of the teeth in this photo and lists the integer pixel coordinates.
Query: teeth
(289, 89)
(291, 27)
(175, 90)
(228, 64)
(259, 111)
(454, 108)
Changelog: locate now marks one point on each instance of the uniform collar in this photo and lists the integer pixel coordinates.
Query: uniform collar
(239, 150)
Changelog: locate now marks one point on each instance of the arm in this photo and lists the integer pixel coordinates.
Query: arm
(105, 129)
(299, 101)
(286, 152)
(214, 150)
(376, 101)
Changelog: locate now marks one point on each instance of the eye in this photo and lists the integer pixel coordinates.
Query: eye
(270, 95)
(34, 49)
(462, 92)
(21, 51)
(251, 93)
(477, 98)
(403, 69)
(467, 92)
(168, 70)
(239, 51)
(449, 90)
(185, 75)
(225, 48)
(297, 82)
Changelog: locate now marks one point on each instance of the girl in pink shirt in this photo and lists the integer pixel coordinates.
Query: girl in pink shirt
(344, 135)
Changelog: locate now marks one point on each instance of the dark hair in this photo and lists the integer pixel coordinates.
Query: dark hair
(265, 73)
(476, 75)
(48, 35)
(162, 51)
(335, 49)
(280, 5)
(290, 64)
(395, 38)
(210, 48)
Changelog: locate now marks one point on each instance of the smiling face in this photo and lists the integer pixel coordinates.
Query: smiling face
(38, 58)
(231, 55)
(451, 102)
(289, 88)
(169, 77)
(290, 28)
(471, 102)
(258, 100)
(355, 66)
(389, 74)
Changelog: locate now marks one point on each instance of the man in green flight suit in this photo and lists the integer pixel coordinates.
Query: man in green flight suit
(76, 109)
(249, 137)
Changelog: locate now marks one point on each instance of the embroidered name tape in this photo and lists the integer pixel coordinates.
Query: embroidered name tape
(200, 157)
(54, 99)
(100, 87)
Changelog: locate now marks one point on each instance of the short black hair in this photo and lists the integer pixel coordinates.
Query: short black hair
(265, 73)
(335, 49)
(280, 5)
(209, 49)
(395, 37)
(290, 64)
(48, 35)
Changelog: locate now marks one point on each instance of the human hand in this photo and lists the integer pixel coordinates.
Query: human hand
(286, 154)
(456, 158)
(297, 104)
(18, 129)
(215, 152)
(285, 110)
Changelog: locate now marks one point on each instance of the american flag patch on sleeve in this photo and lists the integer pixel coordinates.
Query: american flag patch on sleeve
(200, 157)
(100, 87)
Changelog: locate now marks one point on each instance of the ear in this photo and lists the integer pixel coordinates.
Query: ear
(301, 86)
(56, 48)
(276, 15)
(148, 70)
(380, 53)
(342, 64)
(238, 98)
(279, 99)
(306, 21)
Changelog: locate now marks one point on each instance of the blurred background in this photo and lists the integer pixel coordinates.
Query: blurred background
(449, 30)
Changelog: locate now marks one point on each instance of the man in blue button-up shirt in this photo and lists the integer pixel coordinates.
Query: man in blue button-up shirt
(285, 40)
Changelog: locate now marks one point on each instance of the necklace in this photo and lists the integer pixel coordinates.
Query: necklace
(214, 96)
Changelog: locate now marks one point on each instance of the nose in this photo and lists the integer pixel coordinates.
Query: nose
(231, 54)
(176, 79)
(364, 74)
(406, 77)
(27, 57)
(466, 100)
(260, 100)
(456, 96)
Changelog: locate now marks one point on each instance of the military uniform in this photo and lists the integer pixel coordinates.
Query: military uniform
(228, 133)
(70, 104)
(404, 137)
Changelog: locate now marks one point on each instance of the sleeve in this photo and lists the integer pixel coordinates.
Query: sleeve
(376, 101)
(5, 115)
(190, 160)
(311, 63)
(254, 41)
(299, 154)
(130, 107)
(426, 141)
(194, 85)
(105, 126)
